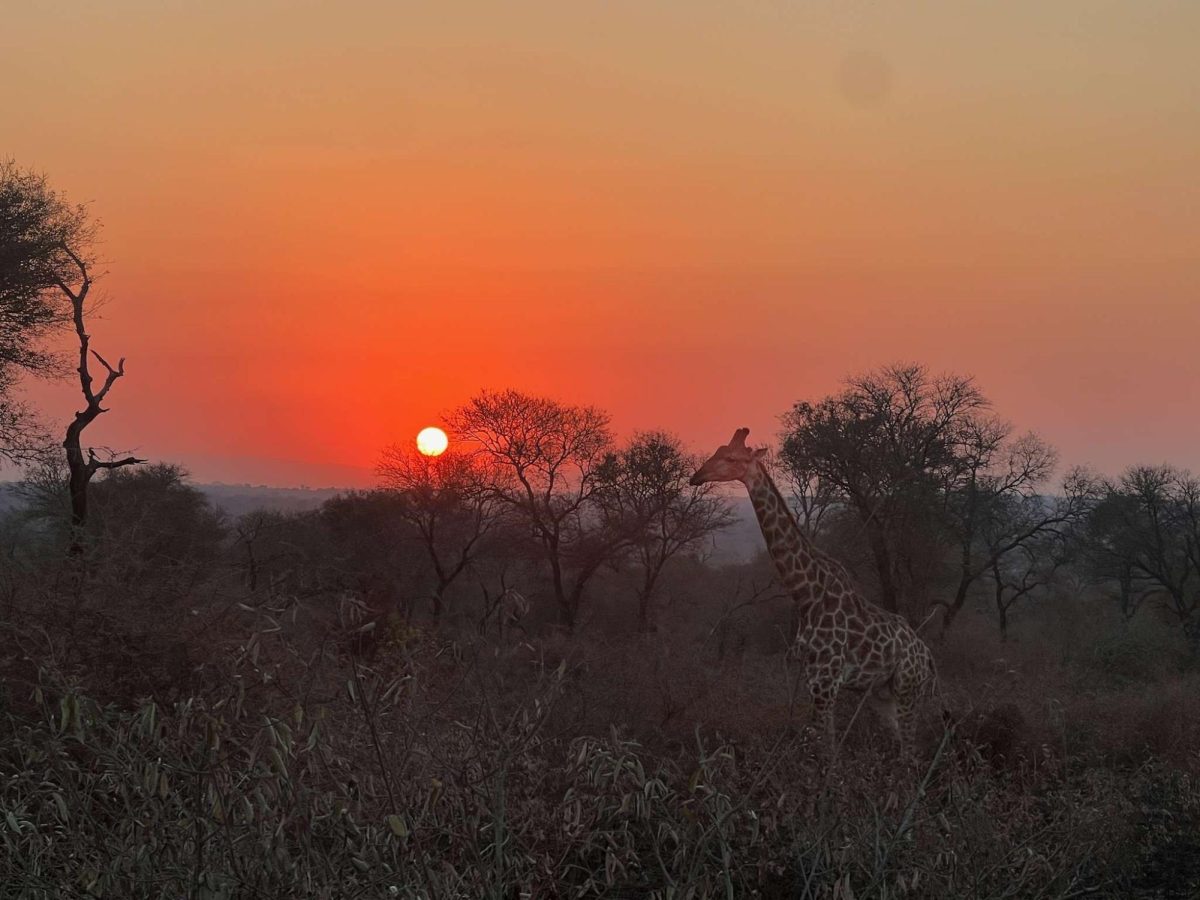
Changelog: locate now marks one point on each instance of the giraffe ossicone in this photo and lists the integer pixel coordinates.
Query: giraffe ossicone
(847, 641)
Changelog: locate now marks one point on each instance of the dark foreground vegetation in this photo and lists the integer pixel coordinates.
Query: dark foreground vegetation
(185, 718)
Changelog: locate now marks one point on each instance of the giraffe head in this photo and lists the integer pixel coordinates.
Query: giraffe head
(731, 462)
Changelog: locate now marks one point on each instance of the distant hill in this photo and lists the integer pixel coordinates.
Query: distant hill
(741, 541)
(238, 499)
(233, 499)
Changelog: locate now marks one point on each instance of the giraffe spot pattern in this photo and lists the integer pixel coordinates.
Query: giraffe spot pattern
(850, 642)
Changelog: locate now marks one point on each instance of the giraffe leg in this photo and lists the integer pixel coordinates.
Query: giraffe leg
(906, 727)
(915, 681)
(823, 697)
(907, 691)
(883, 701)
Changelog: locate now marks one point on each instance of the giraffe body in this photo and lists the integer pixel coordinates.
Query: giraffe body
(845, 641)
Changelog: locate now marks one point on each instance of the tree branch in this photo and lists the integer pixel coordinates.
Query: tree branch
(94, 463)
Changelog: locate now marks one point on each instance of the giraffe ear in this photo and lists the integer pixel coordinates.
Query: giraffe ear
(760, 453)
(739, 437)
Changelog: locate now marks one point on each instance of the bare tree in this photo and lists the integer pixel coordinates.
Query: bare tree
(551, 453)
(812, 497)
(451, 502)
(887, 444)
(1030, 566)
(645, 488)
(993, 504)
(1145, 533)
(249, 529)
(83, 468)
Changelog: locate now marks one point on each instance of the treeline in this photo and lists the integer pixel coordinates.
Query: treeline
(910, 478)
(947, 499)
(544, 501)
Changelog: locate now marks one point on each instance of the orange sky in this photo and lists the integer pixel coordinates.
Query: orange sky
(326, 223)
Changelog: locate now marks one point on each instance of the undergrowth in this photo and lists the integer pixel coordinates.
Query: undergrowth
(445, 770)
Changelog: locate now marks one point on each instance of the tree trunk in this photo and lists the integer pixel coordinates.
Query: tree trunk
(251, 566)
(888, 597)
(645, 596)
(574, 602)
(82, 469)
(955, 606)
(964, 583)
(560, 590)
(1126, 588)
(80, 476)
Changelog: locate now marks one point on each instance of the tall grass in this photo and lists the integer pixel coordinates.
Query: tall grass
(436, 769)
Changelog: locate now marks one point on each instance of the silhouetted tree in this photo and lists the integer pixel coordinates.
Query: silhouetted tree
(644, 491)
(888, 443)
(452, 503)
(1024, 554)
(1145, 533)
(812, 497)
(151, 532)
(41, 237)
(291, 553)
(83, 468)
(551, 454)
(250, 529)
(45, 278)
(162, 526)
(993, 504)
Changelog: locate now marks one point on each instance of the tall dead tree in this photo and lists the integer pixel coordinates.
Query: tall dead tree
(82, 467)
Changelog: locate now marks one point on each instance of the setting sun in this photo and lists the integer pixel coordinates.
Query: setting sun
(432, 441)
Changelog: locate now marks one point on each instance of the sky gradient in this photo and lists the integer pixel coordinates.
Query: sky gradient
(325, 224)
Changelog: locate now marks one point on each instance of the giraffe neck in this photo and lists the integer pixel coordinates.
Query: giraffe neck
(797, 559)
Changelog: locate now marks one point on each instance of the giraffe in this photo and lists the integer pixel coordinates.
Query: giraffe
(849, 642)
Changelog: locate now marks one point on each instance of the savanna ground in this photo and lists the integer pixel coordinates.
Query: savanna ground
(172, 730)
